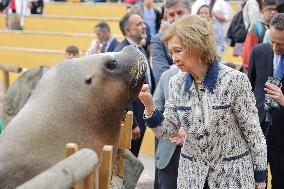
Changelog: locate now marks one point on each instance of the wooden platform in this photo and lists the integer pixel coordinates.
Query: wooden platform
(28, 58)
(64, 24)
(44, 40)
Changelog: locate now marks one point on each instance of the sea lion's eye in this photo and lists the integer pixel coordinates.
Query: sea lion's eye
(111, 64)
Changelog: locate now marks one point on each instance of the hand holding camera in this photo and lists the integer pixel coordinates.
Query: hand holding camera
(274, 96)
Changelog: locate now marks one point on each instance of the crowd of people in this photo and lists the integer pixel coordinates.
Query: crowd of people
(215, 127)
(25, 7)
(213, 124)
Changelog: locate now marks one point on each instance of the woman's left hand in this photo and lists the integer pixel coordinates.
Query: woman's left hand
(179, 138)
(275, 93)
(260, 185)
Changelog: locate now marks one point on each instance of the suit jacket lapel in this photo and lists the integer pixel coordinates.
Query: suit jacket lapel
(270, 65)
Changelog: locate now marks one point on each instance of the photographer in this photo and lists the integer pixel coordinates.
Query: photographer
(266, 63)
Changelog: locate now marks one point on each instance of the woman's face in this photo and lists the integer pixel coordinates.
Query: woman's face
(181, 57)
(204, 12)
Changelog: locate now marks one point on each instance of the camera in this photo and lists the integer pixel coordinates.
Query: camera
(271, 104)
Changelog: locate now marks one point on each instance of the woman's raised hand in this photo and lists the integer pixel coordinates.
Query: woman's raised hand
(147, 99)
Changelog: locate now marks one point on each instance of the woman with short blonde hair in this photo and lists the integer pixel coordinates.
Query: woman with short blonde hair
(224, 146)
(198, 37)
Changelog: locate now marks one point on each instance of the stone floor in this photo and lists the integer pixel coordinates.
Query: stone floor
(146, 180)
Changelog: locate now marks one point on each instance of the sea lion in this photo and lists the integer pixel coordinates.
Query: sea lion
(79, 100)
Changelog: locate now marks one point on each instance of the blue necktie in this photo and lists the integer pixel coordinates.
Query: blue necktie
(279, 71)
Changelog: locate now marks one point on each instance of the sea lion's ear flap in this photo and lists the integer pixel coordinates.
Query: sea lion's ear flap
(88, 79)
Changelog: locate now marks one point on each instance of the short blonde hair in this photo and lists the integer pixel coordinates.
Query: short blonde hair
(196, 34)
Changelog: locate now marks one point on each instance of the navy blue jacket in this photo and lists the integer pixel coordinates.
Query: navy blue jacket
(112, 46)
(260, 68)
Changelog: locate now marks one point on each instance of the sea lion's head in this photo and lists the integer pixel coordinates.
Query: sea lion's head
(82, 101)
(124, 70)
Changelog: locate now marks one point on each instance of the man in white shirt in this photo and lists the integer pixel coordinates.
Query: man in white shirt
(105, 42)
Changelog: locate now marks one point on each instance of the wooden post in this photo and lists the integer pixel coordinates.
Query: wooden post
(6, 69)
(88, 182)
(105, 168)
(126, 132)
(96, 178)
(72, 148)
(6, 81)
(125, 138)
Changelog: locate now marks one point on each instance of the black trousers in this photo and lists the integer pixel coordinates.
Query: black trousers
(167, 178)
(136, 144)
(276, 161)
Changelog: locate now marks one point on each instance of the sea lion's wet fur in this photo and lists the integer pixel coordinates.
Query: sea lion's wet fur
(65, 108)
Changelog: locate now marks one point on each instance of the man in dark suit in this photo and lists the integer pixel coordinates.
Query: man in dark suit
(267, 61)
(105, 42)
(133, 28)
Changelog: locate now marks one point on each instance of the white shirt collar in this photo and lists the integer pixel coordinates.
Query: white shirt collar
(133, 43)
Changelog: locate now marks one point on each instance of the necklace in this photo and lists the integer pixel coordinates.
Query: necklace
(198, 83)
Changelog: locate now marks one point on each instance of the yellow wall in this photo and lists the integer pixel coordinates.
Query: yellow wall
(54, 42)
(2, 22)
(84, 9)
(67, 25)
(148, 144)
(29, 59)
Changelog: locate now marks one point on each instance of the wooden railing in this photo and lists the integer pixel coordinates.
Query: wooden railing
(66, 173)
(6, 69)
(81, 169)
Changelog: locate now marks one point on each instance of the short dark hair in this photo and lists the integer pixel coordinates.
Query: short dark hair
(72, 49)
(278, 21)
(268, 2)
(103, 26)
(205, 5)
(171, 3)
(124, 21)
